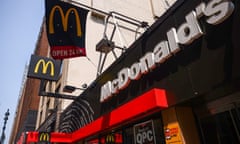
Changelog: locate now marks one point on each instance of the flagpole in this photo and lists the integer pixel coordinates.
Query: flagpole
(116, 15)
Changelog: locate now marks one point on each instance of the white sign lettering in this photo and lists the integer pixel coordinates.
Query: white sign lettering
(216, 11)
(143, 137)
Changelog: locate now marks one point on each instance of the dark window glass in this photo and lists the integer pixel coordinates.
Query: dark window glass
(221, 128)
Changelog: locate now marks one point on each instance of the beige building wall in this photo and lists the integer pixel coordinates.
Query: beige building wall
(29, 99)
(83, 70)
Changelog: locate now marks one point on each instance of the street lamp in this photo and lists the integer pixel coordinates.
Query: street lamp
(4, 127)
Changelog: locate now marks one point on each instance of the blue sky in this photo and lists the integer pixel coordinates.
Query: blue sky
(20, 22)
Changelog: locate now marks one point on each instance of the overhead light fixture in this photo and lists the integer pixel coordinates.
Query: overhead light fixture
(105, 46)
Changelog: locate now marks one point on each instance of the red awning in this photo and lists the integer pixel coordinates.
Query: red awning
(148, 103)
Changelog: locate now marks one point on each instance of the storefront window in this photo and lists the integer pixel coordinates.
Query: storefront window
(222, 126)
(111, 138)
(149, 130)
(128, 136)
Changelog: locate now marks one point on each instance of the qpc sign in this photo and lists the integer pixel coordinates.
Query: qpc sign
(144, 133)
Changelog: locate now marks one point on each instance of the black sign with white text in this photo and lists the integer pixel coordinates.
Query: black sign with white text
(144, 133)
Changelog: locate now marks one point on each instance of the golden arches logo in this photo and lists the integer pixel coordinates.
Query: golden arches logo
(44, 67)
(44, 137)
(110, 138)
(64, 19)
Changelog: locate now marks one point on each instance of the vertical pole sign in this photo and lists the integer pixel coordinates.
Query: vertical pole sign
(66, 25)
(44, 68)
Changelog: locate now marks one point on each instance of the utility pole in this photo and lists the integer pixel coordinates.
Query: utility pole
(4, 127)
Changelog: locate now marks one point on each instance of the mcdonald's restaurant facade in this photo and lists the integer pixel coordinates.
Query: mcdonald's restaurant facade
(178, 83)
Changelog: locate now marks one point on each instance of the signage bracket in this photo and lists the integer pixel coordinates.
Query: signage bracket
(42, 92)
(106, 45)
(122, 17)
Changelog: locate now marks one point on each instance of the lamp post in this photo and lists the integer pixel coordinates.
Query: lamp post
(4, 127)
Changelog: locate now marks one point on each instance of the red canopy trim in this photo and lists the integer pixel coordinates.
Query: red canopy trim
(148, 103)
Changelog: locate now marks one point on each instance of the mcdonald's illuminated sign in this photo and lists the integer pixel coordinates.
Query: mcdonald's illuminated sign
(64, 19)
(44, 137)
(110, 139)
(44, 68)
(65, 29)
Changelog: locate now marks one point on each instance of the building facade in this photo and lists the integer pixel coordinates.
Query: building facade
(27, 108)
(83, 71)
(177, 82)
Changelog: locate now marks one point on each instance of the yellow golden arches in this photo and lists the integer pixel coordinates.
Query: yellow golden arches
(110, 138)
(64, 19)
(44, 137)
(44, 67)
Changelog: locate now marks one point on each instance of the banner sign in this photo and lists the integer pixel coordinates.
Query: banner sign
(65, 29)
(44, 68)
(144, 133)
